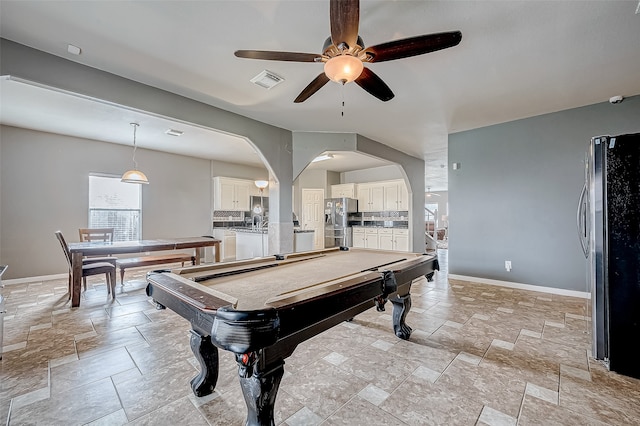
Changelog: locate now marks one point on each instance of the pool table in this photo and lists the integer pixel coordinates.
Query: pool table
(261, 309)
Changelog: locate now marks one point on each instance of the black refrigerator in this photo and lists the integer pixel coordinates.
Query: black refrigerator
(609, 227)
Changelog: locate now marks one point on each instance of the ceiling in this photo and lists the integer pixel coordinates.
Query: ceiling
(517, 59)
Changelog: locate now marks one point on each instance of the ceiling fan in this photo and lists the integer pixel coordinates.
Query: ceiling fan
(430, 194)
(344, 52)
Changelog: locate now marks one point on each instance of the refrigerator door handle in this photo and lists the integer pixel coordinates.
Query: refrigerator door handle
(581, 221)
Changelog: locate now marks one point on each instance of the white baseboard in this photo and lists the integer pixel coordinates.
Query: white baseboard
(541, 289)
(34, 279)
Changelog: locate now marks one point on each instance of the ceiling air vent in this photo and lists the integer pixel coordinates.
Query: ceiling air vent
(267, 79)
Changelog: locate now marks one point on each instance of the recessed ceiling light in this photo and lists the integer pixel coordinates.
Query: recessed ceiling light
(74, 50)
(322, 158)
(174, 132)
(267, 79)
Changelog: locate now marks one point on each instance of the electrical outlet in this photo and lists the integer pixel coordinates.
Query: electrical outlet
(507, 265)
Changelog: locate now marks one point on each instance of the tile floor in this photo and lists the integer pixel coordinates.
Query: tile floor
(479, 355)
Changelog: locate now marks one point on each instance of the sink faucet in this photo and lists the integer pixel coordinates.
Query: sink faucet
(260, 224)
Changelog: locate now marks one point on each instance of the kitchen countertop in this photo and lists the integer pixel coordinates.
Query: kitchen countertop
(264, 231)
(380, 227)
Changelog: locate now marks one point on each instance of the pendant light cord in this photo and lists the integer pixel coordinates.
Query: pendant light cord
(135, 147)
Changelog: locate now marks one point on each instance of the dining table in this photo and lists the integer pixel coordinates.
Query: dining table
(105, 248)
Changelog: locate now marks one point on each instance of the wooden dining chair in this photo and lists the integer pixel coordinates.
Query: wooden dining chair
(91, 267)
(96, 234)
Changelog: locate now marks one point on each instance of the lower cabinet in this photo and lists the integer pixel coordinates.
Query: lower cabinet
(371, 238)
(358, 237)
(385, 239)
(401, 239)
(227, 244)
(303, 241)
(381, 238)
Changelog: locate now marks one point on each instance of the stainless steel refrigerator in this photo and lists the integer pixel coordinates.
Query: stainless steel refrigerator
(337, 232)
(609, 228)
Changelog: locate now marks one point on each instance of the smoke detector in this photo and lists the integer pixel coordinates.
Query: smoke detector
(267, 79)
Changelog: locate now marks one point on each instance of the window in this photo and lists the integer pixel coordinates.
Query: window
(115, 204)
(430, 211)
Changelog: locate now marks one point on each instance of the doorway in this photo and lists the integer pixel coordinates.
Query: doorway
(313, 214)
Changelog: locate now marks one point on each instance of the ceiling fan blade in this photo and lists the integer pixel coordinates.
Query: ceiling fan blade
(374, 85)
(344, 16)
(312, 88)
(278, 56)
(413, 46)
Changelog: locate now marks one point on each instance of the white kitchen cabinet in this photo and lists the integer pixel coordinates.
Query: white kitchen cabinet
(385, 239)
(371, 238)
(401, 239)
(396, 196)
(232, 194)
(251, 244)
(303, 241)
(358, 237)
(343, 190)
(227, 244)
(381, 238)
(370, 197)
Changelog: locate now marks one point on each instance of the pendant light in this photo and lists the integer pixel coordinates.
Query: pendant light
(135, 175)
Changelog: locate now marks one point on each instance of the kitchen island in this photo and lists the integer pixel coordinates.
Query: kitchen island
(251, 243)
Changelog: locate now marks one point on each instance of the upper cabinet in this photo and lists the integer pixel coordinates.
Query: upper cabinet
(396, 196)
(232, 194)
(370, 197)
(343, 190)
(383, 196)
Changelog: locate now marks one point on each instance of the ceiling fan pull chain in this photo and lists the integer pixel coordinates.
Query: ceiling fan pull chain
(342, 95)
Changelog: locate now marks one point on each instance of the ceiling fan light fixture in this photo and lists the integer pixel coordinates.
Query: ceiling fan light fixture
(343, 68)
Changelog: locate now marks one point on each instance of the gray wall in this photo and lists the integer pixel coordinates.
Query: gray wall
(239, 171)
(516, 192)
(374, 174)
(53, 195)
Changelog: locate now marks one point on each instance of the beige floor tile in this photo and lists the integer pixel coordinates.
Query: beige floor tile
(79, 405)
(537, 412)
(498, 388)
(322, 387)
(109, 341)
(174, 413)
(419, 402)
(132, 363)
(90, 369)
(608, 400)
(149, 392)
(358, 411)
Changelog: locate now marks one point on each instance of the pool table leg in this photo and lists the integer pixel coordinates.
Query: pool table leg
(259, 390)
(401, 306)
(207, 355)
